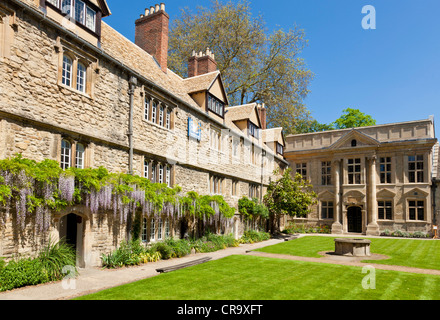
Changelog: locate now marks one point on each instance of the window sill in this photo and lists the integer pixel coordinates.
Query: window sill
(157, 125)
(84, 94)
(218, 151)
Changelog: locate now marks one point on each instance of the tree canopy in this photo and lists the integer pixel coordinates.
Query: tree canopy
(289, 195)
(256, 66)
(353, 118)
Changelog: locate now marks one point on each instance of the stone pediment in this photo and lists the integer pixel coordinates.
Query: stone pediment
(354, 139)
(354, 197)
(384, 193)
(326, 195)
(416, 192)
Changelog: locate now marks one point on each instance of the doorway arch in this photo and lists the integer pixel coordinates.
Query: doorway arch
(354, 219)
(72, 232)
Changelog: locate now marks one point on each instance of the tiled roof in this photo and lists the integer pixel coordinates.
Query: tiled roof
(240, 112)
(122, 49)
(200, 83)
(271, 134)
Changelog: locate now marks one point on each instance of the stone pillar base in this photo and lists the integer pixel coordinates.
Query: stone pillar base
(373, 229)
(337, 228)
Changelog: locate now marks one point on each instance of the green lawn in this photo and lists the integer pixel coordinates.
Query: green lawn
(402, 252)
(241, 277)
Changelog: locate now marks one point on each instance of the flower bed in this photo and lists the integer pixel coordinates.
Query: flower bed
(136, 253)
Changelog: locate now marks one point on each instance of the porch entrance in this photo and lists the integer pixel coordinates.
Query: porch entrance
(71, 231)
(354, 219)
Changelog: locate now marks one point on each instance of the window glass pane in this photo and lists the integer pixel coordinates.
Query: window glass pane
(81, 78)
(66, 7)
(67, 71)
(66, 150)
(144, 230)
(80, 11)
(168, 122)
(79, 159)
(152, 230)
(90, 19)
(161, 112)
(53, 2)
(147, 109)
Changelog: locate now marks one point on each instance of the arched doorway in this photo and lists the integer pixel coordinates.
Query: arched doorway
(71, 231)
(354, 219)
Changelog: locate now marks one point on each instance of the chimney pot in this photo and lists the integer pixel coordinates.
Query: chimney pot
(152, 34)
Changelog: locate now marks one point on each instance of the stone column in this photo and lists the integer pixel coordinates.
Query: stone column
(337, 226)
(372, 227)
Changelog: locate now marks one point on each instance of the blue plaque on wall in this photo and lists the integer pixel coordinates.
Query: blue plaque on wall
(194, 129)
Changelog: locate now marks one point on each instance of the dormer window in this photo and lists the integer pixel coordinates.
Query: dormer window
(78, 10)
(216, 106)
(280, 149)
(253, 130)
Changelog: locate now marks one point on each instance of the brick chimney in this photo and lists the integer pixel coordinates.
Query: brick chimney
(152, 33)
(262, 113)
(200, 63)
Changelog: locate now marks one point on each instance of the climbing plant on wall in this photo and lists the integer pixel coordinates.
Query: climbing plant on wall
(38, 189)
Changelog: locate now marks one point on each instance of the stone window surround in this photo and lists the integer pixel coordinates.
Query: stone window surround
(8, 24)
(302, 169)
(254, 190)
(168, 109)
(216, 184)
(150, 228)
(73, 146)
(329, 204)
(424, 170)
(326, 177)
(416, 200)
(155, 175)
(63, 48)
(385, 200)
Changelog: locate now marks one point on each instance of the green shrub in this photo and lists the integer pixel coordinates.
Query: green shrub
(22, 272)
(55, 256)
(252, 236)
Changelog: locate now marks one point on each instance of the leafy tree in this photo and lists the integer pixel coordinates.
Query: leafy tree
(313, 126)
(255, 66)
(289, 195)
(353, 118)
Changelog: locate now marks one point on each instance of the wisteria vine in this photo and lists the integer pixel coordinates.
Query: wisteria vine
(38, 189)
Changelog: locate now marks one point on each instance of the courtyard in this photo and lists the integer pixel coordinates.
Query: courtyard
(412, 272)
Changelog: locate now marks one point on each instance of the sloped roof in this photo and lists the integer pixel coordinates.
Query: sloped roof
(131, 55)
(242, 112)
(272, 134)
(202, 82)
(103, 5)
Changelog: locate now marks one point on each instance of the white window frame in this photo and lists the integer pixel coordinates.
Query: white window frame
(146, 169)
(161, 114)
(144, 231)
(168, 176)
(153, 229)
(67, 71)
(81, 77)
(160, 173)
(79, 157)
(154, 112)
(66, 154)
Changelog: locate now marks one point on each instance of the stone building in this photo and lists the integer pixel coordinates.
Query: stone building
(370, 179)
(75, 90)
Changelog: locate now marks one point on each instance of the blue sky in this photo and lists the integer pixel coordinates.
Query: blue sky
(391, 73)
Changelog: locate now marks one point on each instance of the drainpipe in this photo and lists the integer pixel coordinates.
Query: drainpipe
(132, 84)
